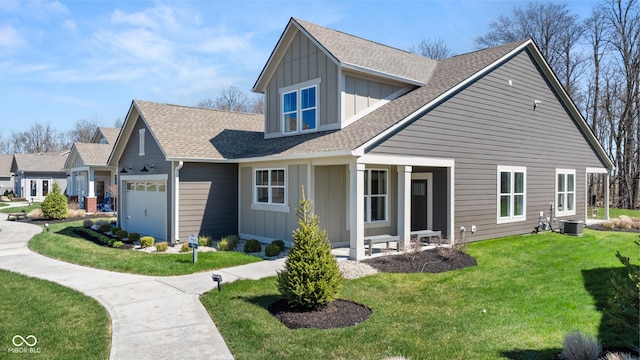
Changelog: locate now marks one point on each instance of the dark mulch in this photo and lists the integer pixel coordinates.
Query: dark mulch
(84, 235)
(343, 313)
(428, 261)
(599, 227)
(337, 314)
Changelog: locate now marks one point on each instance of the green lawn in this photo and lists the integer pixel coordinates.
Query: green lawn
(613, 212)
(534, 288)
(26, 208)
(64, 323)
(61, 243)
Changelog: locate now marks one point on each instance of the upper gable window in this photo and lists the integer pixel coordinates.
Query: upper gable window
(300, 107)
(141, 142)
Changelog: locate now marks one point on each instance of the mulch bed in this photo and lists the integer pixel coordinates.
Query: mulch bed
(84, 235)
(428, 261)
(343, 313)
(599, 227)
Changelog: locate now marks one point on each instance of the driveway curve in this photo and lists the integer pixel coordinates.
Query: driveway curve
(152, 317)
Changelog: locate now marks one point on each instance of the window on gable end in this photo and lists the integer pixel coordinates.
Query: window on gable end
(141, 133)
(300, 107)
(512, 199)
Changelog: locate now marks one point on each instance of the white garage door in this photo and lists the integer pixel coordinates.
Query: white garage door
(145, 207)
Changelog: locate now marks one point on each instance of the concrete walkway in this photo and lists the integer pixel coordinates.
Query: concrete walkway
(143, 309)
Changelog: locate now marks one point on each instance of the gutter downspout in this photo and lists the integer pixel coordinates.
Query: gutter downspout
(175, 199)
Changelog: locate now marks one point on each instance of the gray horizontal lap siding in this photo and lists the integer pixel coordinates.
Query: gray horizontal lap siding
(208, 200)
(492, 123)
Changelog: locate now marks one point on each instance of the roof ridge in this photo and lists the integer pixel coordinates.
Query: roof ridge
(196, 107)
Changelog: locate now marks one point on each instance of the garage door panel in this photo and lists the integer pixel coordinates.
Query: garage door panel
(145, 208)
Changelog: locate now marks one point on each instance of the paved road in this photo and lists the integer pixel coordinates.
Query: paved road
(143, 309)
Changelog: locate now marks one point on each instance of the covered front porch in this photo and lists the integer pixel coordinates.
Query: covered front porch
(91, 188)
(370, 199)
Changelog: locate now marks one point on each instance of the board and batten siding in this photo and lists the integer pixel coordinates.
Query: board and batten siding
(208, 200)
(264, 224)
(493, 122)
(152, 156)
(303, 61)
(331, 184)
(361, 94)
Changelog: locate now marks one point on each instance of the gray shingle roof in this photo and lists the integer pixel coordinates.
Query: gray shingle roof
(198, 133)
(111, 134)
(48, 162)
(362, 53)
(94, 154)
(5, 165)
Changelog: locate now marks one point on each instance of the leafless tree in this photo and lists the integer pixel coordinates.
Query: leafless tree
(83, 130)
(117, 123)
(433, 49)
(231, 98)
(38, 138)
(554, 29)
(256, 105)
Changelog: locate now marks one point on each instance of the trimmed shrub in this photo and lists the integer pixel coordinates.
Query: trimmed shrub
(162, 246)
(115, 229)
(185, 247)
(134, 237)
(311, 277)
(87, 223)
(272, 250)
(252, 246)
(121, 234)
(100, 222)
(117, 244)
(55, 204)
(580, 347)
(228, 243)
(278, 243)
(104, 228)
(204, 240)
(147, 241)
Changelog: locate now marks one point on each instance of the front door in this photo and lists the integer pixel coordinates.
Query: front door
(421, 201)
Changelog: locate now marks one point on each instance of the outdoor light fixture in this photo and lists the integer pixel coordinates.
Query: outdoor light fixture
(536, 103)
(147, 168)
(125, 169)
(217, 279)
(46, 226)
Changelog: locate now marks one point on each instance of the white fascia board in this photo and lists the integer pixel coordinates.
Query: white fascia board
(594, 170)
(381, 74)
(405, 160)
(570, 104)
(453, 90)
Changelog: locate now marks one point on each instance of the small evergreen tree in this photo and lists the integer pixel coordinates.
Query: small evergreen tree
(625, 302)
(55, 204)
(311, 277)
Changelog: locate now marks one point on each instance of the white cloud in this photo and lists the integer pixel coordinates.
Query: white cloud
(10, 37)
(69, 25)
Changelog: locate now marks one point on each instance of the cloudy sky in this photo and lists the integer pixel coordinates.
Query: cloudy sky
(63, 61)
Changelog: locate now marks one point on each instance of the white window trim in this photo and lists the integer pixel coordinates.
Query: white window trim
(298, 89)
(141, 133)
(269, 206)
(367, 211)
(565, 172)
(511, 218)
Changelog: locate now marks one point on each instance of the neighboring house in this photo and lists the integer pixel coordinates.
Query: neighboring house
(6, 176)
(34, 174)
(385, 142)
(89, 176)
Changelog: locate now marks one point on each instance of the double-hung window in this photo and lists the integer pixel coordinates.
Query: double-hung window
(300, 107)
(512, 200)
(565, 192)
(270, 186)
(376, 199)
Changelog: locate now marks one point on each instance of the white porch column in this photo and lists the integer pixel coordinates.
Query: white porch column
(356, 210)
(404, 205)
(606, 196)
(91, 191)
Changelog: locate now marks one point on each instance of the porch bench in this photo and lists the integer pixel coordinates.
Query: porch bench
(17, 216)
(429, 234)
(377, 239)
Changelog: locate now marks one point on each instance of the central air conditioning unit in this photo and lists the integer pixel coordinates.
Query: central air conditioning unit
(571, 227)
